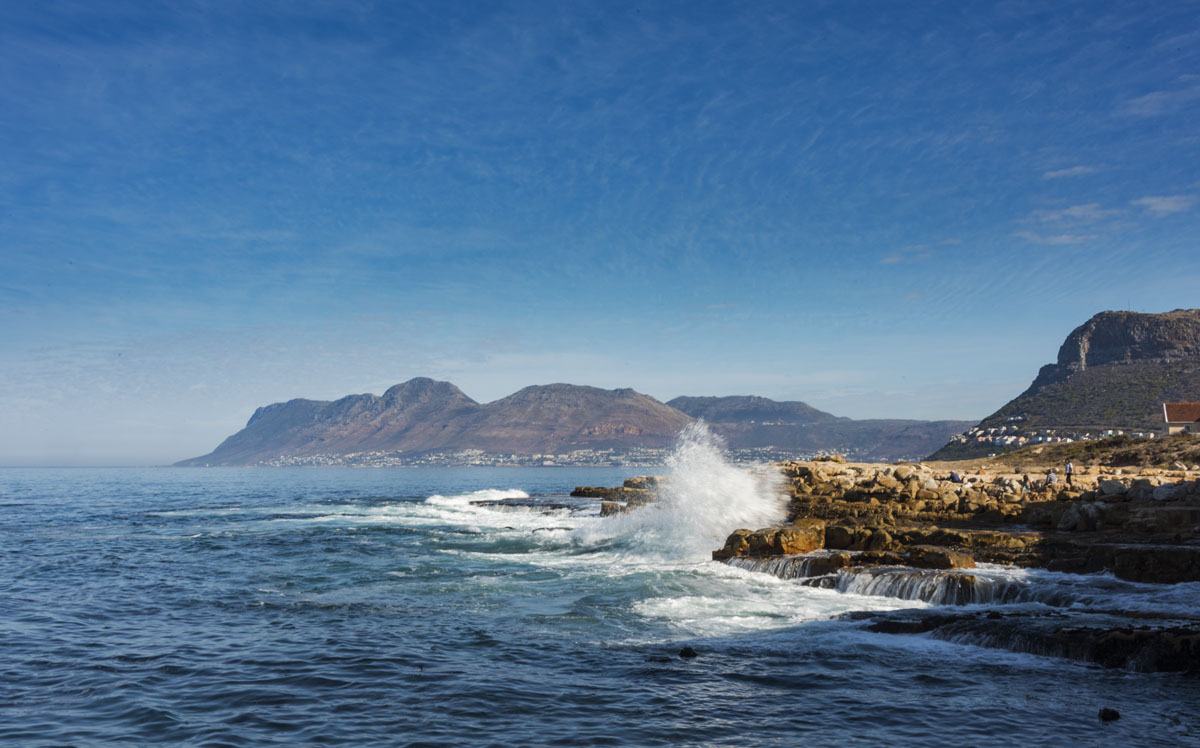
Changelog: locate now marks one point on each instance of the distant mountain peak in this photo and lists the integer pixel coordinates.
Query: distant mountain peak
(425, 415)
(749, 408)
(419, 388)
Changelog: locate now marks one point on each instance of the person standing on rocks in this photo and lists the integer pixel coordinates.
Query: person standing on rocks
(1069, 469)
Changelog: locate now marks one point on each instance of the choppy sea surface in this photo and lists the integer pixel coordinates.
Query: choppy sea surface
(386, 607)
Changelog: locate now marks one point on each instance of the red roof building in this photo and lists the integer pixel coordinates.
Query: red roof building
(1182, 417)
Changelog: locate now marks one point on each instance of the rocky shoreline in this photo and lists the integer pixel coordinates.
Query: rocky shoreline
(942, 533)
(1141, 524)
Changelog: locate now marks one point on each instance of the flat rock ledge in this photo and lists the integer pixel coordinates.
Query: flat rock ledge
(635, 492)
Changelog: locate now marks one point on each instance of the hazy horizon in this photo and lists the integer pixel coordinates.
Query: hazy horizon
(883, 212)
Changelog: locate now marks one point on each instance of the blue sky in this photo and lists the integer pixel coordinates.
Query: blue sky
(884, 209)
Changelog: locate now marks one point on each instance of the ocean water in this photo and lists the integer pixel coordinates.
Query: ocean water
(384, 607)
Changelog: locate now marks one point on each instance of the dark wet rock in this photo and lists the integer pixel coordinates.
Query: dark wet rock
(1111, 640)
(644, 482)
(1162, 563)
(1108, 714)
(635, 492)
(613, 493)
(536, 504)
(688, 653)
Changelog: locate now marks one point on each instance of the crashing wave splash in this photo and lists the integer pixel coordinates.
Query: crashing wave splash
(702, 497)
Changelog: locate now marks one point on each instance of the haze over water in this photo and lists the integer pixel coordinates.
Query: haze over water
(259, 606)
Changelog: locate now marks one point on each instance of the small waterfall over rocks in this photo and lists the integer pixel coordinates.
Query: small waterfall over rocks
(810, 565)
(935, 587)
(975, 587)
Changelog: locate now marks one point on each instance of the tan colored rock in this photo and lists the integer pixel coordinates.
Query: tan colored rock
(644, 482)
(933, 557)
(804, 536)
(609, 508)
(819, 566)
(879, 558)
(735, 545)
(887, 483)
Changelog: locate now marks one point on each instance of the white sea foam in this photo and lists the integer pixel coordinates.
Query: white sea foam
(727, 600)
(459, 510)
(468, 499)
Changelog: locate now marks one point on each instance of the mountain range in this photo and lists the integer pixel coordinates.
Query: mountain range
(1112, 372)
(423, 416)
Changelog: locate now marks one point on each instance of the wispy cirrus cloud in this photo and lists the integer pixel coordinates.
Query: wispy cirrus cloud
(911, 253)
(1161, 102)
(1070, 171)
(1082, 213)
(1054, 240)
(1164, 205)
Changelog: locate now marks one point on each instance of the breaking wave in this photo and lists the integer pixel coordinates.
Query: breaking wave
(703, 497)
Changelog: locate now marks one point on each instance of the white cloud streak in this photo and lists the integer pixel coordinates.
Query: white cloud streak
(1164, 205)
(1083, 213)
(1071, 171)
(1054, 240)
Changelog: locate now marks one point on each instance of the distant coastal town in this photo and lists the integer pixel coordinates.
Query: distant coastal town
(1013, 434)
(634, 457)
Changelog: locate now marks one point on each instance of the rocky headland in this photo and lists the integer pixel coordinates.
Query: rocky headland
(1112, 373)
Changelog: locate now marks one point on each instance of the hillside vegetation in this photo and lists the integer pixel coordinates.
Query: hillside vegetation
(1113, 372)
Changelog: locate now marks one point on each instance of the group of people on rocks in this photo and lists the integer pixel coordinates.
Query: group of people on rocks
(1047, 484)
(1051, 479)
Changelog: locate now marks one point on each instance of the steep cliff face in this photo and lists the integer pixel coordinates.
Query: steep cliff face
(1113, 372)
(1111, 338)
